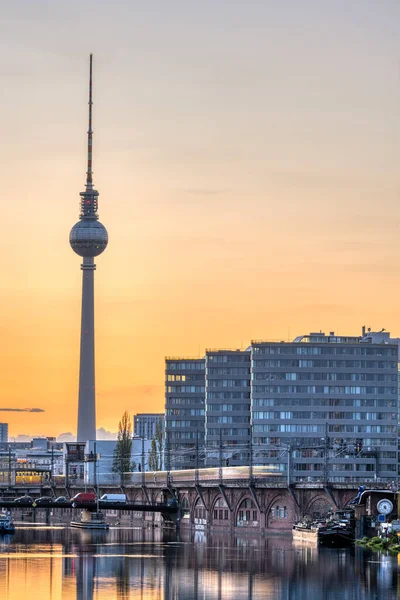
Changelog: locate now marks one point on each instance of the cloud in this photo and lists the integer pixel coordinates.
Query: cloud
(31, 410)
(103, 434)
(66, 437)
(23, 437)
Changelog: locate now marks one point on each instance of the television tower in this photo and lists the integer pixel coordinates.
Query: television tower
(88, 238)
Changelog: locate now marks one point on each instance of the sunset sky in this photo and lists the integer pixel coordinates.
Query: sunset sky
(247, 157)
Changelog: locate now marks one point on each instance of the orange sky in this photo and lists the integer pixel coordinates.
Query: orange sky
(246, 156)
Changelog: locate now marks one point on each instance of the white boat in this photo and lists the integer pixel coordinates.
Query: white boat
(91, 520)
(304, 533)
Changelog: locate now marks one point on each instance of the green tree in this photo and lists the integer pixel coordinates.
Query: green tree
(122, 462)
(156, 452)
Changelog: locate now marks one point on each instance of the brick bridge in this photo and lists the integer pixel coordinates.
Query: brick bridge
(234, 505)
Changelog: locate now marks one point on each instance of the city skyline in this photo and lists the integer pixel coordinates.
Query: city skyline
(253, 155)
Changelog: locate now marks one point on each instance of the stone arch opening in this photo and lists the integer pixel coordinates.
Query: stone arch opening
(200, 514)
(134, 495)
(318, 508)
(346, 497)
(184, 509)
(247, 514)
(279, 513)
(220, 513)
(158, 498)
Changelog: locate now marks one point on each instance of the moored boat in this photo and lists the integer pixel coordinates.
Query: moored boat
(6, 524)
(336, 535)
(303, 533)
(90, 520)
(338, 531)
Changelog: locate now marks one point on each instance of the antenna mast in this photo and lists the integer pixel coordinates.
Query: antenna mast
(89, 180)
(89, 202)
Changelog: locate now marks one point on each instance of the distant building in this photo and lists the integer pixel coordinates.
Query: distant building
(3, 432)
(144, 424)
(39, 443)
(27, 466)
(184, 413)
(103, 451)
(74, 461)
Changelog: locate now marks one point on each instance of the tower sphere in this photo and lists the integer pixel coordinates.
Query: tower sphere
(88, 238)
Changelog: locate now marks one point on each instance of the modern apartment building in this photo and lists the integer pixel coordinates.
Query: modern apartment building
(3, 432)
(184, 413)
(227, 402)
(145, 424)
(325, 407)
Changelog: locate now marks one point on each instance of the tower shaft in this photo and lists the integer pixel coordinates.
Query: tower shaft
(87, 390)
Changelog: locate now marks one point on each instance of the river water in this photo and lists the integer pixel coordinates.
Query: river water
(49, 563)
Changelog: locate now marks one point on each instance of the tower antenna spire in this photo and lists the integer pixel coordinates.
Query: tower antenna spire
(89, 173)
(89, 198)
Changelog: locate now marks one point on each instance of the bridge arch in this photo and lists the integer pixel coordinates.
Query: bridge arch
(158, 517)
(135, 495)
(346, 497)
(184, 507)
(247, 514)
(319, 506)
(279, 512)
(199, 513)
(220, 513)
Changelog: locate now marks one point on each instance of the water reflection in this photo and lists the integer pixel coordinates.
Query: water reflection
(123, 564)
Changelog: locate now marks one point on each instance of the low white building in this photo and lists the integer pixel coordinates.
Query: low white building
(104, 451)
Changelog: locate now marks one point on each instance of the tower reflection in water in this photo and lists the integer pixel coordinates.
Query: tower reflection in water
(118, 564)
(149, 565)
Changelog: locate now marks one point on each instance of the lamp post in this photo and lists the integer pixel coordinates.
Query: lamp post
(289, 463)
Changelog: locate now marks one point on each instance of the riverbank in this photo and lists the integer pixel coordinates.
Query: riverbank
(392, 543)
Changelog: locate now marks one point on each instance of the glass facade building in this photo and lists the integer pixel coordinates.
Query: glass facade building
(326, 407)
(320, 408)
(227, 423)
(145, 424)
(3, 432)
(184, 413)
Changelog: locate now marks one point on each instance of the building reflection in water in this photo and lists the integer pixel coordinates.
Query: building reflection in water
(57, 564)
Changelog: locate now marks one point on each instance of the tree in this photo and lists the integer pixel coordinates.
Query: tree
(156, 452)
(122, 462)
